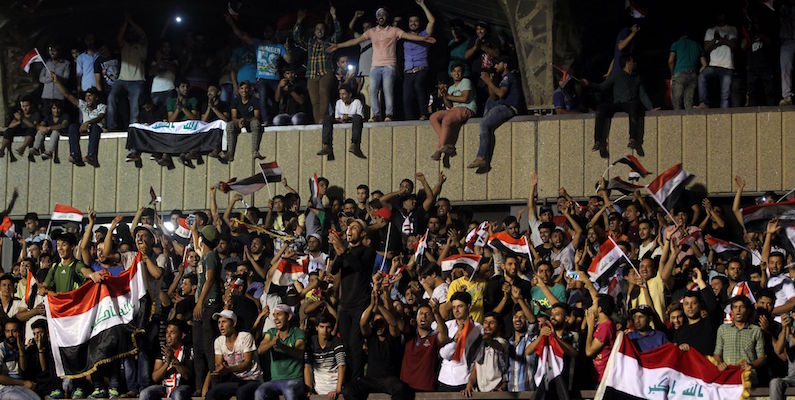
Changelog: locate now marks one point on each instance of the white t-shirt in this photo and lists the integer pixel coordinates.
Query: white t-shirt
(87, 114)
(341, 108)
(644, 248)
(455, 373)
(566, 258)
(721, 56)
(782, 285)
(243, 344)
(16, 306)
(439, 293)
(133, 57)
(492, 366)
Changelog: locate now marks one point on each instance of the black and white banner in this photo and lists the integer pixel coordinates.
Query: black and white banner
(176, 137)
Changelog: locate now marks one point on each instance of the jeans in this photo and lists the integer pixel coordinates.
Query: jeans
(157, 392)
(112, 371)
(241, 390)
(204, 333)
(683, 89)
(138, 370)
(133, 90)
(17, 393)
(360, 388)
(159, 99)
(227, 92)
(415, 98)
(291, 389)
(94, 133)
(356, 130)
(787, 54)
(492, 120)
(266, 89)
(229, 140)
(348, 320)
(38, 143)
(725, 76)
(605, 112)
(779, 385)
(19, 130)
(299, 118)
(319, 89)
(382, 77)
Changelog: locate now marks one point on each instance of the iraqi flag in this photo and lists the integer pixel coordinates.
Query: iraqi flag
(668, 373)
(503, 242)
(7, 227)
(269, 172)
(477, 237)
(755, 217)
(63, 212)
(638, 170)
(31, 288)
(550, 360)
(622, 186)
(182, 233)
(722, 246)
(470, 260)
(176, 137)
(741, 288)
(289, 271)
(606, 260)
(419, 248)
(314, 187)
(667, 187)
(30, 58)
(95, 323)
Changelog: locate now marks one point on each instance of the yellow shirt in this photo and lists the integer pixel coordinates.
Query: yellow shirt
(475, 289)
(657, 294)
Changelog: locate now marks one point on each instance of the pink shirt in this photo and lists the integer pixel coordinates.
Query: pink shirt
(384, 42)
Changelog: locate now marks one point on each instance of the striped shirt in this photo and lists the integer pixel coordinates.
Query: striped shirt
(318, 61)
(325, 363)
(519, 378)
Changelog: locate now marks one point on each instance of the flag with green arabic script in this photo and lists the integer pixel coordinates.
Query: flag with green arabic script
(95, 323)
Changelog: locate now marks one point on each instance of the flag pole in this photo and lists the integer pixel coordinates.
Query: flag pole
(785, 195)
(386, 245)
(43, 62)
(624, 256)
(267, 183)
(668, 213)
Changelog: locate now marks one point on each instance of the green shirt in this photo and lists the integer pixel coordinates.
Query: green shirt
(688, 56)
(733, 344)
(457, 89)
(208, 262)
(284, 367)
(539, 298)
(190, 103)
(65, 278)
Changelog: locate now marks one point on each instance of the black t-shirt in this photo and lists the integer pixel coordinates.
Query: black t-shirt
(244, 110)
(357, 268)
(288, 104)
(383, 357)
(185, 307)
(108, 69)
(61, 119)
(222, 106)
(246, 311)
(494, 294)
(33, 117)
(545, 254)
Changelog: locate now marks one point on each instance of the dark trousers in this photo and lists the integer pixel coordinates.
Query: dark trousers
(762, 86)
(605, 113)
(224, 390)
(94, 133)
(360, 388)
(204, 333)
(19, 130)
(266, 89)
(415, 99)
(356, 129)
(557, 390)
(348, 320)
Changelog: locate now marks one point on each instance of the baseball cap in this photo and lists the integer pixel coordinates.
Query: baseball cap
(226, 314)
(643, 309)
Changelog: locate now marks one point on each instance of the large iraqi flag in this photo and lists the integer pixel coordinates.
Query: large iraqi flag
(668, 373)
(95, 323)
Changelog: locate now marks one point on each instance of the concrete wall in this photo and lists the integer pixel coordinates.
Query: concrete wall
(758, 144)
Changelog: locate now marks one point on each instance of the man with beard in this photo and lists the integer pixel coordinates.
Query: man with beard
(498, 292)
(643, 336)
(569, 342)
(656, 281)
(382, 73)
(563, 256)
(459, 354)
(785, 351)
(418, 369)
(285, 345)
(519, 358)
(173, 368)
(12, 362)
(771, 329)
(545, 291)
(354, 262)
(699, 332)
(646, 237)
(775, 279)
(734, 272)
(491, 361)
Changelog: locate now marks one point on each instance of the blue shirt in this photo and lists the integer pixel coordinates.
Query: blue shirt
(651, 341)
(511, 99)
(520, 365)
(115, 270)
(268, 55)
(245, 59)
(563, 101)
(85, 70)
(415, 54)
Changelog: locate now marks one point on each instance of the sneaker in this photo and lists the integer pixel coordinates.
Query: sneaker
(113, 393)
(78, 394)
(356, 150)
(325, 150)
(98, 394)
(46, 155)
(388, 118)
(787, 101)
(56, 394)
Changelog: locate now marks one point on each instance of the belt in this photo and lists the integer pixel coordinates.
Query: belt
(415, 70)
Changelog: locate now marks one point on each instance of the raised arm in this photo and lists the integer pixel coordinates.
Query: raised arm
(243, 36)
(428, 15)
(68, 96)
(348, 43)
(85, 243)
(738, 214)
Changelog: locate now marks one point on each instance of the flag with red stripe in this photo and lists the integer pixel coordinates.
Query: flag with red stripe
(740, 289)
(507, 244)
(550, 360)
(420, 246)
(754, 217)
(95, 323)
(470, 260)
(30, 58)
(7, 227)
(314, 187)
(269, 173)
(666, 187)
(289, 271)
(606, 260)
(477, 237)
(634, 164)
(722, 246)
(182, 233)
(622, 186)
(31, 287)
(666, 373)
(63, 212)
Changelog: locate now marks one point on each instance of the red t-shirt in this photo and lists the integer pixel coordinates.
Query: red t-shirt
(606, 333)
(420, 356)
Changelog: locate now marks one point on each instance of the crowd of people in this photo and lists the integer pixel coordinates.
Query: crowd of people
(377, 305)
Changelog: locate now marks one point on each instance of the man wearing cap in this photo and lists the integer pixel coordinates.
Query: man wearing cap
(740, 343)
(92, 115)
(775, 278)
(236, 372)
(643, 336)
(354, 262)
(459, 354)
(285, 346)
(382, 73)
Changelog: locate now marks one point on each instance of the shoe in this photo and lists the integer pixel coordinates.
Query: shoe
(257, 156)
(11, 157)
(134, 395)
(356, 150)
(330, 156)
(595, 147)
(153, 156)
(437, 155)
(787, 101)
(31, 158)
(56, 394)
(702, 106)
(113, 393)
(56, 159)
(92, 161)
(478, 163)
(78, 394)
(213, 154)
(76, 161)
(186, 161)
(423, 117)
(603, 151)
(98, 394)
(21, 151)
(326, 150)
(633, 144)
(388, 118)
(449, 150)
(46, 155)
(2, 153)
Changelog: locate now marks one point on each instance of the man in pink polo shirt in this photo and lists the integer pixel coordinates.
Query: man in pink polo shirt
(382, 73)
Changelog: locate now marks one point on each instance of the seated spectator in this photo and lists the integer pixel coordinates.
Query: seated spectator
(23, 123)
(719, 43)
(174, 368)
(564, 98)
(41, 364)
(237, 372)
(347, 109)
(183, 107)
(12, 364)
(784, 346)
(505, 101)
(324, 360)
(54, 126)
(215, 109)
(92, 114)
(459, 102)
(245, 115)
(284, 345)
(436, 98)
(740, 343)
(629, 96)
(293, 100)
